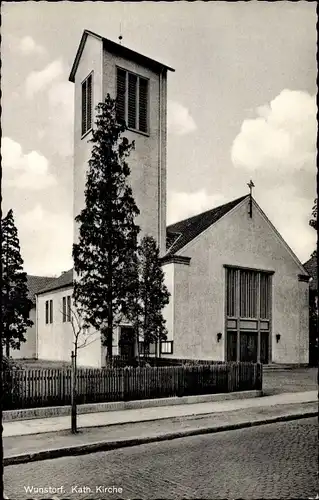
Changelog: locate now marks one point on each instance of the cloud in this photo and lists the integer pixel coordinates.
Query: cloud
(29, 47)
(60, 116)
(182, 205)
(282, 136)
(40, 80)
(278, 149)
(57, 106)
(24, 171)
(53, 234)
(179, 120)
(290, 215)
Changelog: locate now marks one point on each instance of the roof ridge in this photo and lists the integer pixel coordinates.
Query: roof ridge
(192, 227)
(193, 217)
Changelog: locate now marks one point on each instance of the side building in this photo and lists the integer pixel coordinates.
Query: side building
(56, 334)
(29, 348)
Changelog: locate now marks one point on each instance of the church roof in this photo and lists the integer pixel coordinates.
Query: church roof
(311, 267)
(66, 279)
(181, 233)
(37, 283)
(117, 49)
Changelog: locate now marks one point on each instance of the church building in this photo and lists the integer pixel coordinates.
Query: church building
(238, 292)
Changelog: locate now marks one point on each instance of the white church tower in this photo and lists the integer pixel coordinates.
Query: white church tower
(101, 67)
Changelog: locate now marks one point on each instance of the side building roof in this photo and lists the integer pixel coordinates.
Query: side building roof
(36, 283)
(65, 280)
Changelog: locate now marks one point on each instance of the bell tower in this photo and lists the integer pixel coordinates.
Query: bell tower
(102, 66)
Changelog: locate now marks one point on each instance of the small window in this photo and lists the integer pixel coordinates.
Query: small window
(132, 100)
(51, 311)
(87, 105)
(167, 347)
(48, 311)
(66, 308)
(69, 308)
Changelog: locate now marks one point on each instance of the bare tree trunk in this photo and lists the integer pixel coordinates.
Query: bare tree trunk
(7, 348)
(73, 394)
(110, 332)
(137, 340)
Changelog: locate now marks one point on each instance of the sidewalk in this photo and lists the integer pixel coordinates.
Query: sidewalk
(37, 426)
(110, 430)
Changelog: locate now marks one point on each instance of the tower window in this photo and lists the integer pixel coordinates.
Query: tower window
(132, 100)
(87, 104)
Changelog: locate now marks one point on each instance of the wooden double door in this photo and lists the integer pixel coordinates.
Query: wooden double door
(248, 346)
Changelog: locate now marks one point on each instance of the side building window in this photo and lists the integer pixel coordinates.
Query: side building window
(132, 100)
(48, 311)
(87, 104)
(66, 308)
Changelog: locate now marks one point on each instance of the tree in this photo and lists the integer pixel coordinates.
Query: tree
(313, 221)
(14, 291)
(150, 295)
(107, 229)
(314, 215)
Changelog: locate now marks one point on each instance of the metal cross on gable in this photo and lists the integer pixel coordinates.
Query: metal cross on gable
(251, 185)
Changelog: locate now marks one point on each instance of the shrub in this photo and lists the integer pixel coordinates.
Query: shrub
(10, 389)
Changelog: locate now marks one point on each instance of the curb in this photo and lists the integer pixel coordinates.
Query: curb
(85, 449)
(59, 411)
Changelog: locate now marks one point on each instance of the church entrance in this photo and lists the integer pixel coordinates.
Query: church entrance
(248, 315)
(127, 342)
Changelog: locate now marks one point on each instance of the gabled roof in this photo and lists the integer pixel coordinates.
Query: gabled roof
(65, 280)
(311, 267)
(118, 49)
(36, 283)
(181, 233)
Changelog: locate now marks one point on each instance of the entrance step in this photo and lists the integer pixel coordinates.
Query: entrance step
(279, 366)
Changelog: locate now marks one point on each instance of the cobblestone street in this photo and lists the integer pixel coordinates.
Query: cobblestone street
(270, 461)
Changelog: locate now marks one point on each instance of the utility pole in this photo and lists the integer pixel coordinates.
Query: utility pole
(1, 366)
(73, 393)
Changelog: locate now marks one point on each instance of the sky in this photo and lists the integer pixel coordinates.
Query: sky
(241, 106)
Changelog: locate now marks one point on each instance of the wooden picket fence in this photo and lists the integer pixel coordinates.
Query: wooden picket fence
(32, 388)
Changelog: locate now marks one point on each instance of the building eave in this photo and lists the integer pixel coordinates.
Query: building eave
(54, 289)
(115, 48)
(304, 277)
(175, 259)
